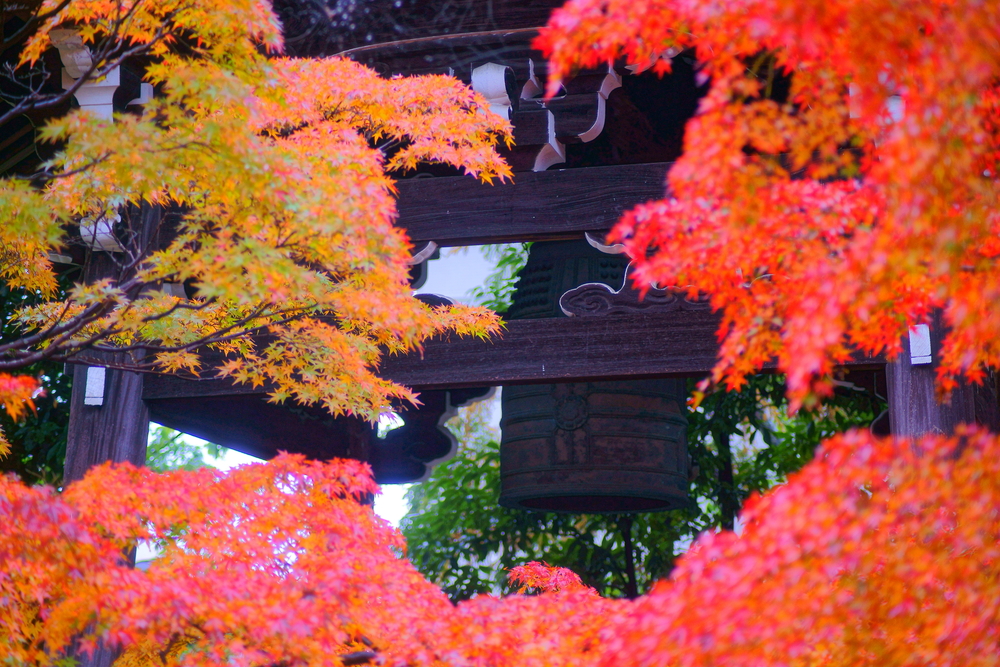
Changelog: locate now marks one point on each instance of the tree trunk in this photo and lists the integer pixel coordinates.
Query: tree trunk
(631, 585)
(728, 504)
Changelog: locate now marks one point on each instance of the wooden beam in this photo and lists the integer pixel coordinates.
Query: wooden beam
(569, 349)
(562, 203)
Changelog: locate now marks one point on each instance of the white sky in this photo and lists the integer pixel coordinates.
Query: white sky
(454, 275)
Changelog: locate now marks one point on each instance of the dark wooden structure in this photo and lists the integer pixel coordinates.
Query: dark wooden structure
(581, 159)
(601, 146)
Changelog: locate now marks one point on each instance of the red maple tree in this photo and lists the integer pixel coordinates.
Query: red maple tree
(833, 216)
(879, 552)
(838, 182)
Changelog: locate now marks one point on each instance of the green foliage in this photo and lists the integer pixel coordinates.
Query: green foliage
(743, 442)
(499, 286)
(38, 441)
(462, 540)
(168, 450)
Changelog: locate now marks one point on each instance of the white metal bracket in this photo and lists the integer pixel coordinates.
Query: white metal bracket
(920, 345)
(94, 392)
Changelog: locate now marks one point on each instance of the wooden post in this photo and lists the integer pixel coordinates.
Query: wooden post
(913, 406)
(115, 430)
(108, 419)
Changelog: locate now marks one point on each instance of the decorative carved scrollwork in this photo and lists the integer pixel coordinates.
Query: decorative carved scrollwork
(543, 127)
(511, 75)
(409, 453)
(599, 300)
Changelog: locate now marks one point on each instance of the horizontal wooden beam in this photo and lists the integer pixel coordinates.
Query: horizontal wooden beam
(568, 349)
(677, 344)
(559, 203)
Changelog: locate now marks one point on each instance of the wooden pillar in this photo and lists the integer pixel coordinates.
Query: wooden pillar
(114, 430)
(913, 406)
(108, 419)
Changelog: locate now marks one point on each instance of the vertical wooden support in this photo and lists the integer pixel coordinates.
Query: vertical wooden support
(108, 419)
(913, 406)
(113, 431)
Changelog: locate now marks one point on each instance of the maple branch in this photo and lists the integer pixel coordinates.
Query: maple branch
(357, 658)
(21, 33)
(107, 53)
(215, 338)
(56, 331)
(40, 178)
(57, 345)
(59, 337)
(180, 305)
(148, 367)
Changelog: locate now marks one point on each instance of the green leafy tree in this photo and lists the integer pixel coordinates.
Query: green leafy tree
(498, 288)
(740, 442)
(169, 450)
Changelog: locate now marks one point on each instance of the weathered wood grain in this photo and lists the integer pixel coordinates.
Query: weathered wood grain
(115, 431)
(914, 408)
(537, 206)
(678, 344)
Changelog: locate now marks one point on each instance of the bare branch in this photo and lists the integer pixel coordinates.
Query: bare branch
(107, 53)
(357, 658)
(24, 31)
(43, 177)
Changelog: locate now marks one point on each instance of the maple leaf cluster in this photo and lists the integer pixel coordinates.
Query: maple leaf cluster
(895, 562)
(838, 183)
(16, 394)
(274, 176)
(544, 577)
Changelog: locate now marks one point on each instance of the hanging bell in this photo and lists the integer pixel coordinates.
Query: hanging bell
(588, 447)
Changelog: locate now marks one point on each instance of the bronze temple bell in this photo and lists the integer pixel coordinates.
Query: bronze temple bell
(588, 447)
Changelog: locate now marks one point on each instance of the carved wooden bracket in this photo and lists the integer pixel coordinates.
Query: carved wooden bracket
(410, 452)
(599, 300)
(511, 75)
(543, 127)
(421, 253)
(496, 83)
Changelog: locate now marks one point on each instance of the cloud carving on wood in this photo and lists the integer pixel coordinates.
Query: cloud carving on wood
(599, 300)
